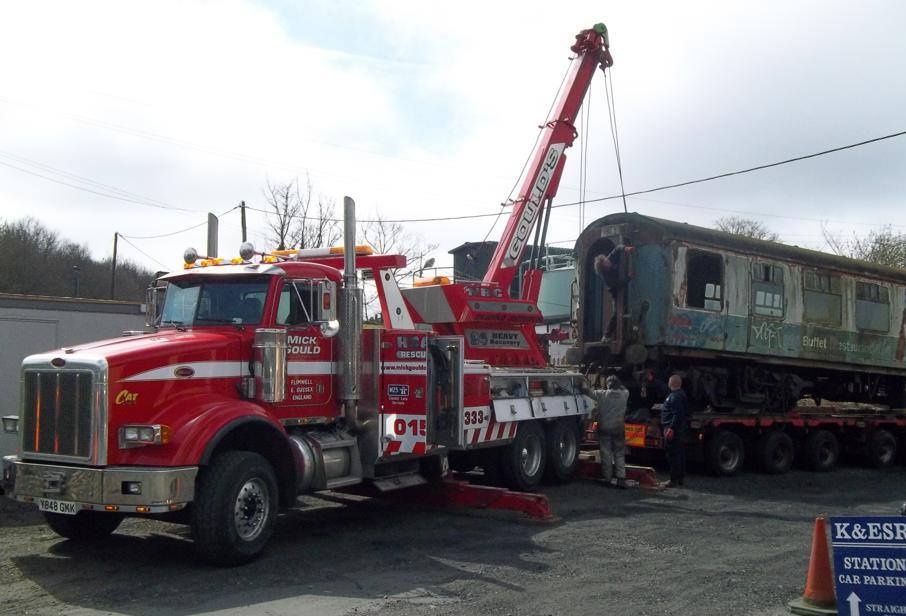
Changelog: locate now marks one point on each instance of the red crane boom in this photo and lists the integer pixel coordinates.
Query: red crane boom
(543, 177)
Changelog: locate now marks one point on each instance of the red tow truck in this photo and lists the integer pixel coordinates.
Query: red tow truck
(260, 382)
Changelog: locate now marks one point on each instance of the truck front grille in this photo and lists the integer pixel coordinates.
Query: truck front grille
(57, 413)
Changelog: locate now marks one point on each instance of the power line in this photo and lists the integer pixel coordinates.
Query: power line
(123, 196)
(764, 214)
(154, 237)
(79, 178)
(122, 237)
(647, 190)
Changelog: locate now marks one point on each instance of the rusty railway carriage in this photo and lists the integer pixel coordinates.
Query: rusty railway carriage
(755, 327)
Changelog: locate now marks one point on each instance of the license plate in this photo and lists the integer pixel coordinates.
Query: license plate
(55, 506)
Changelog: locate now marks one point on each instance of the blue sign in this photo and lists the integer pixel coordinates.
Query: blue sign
(398, 391)
(870, 565)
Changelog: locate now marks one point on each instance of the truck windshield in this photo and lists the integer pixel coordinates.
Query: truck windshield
(214, 302)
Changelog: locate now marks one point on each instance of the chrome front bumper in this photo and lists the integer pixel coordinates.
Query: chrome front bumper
(162, 489)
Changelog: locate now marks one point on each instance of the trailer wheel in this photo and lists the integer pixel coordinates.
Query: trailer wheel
(775, 452)
(84, 526)
(562, 450)
(522, 461)
(235, 508)
(822, 450)
(882, 449)
(725, 453)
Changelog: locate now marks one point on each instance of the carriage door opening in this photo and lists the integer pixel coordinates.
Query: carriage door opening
(597, 305)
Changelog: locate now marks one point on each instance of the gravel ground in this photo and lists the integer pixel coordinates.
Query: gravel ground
(720, 546)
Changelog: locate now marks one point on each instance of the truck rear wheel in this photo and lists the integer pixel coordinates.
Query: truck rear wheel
(775, 452)
(822, 450)
(882, 449)
(523, 461)
(725, 453)
(85, 525)
(562, 450)
(235, 508)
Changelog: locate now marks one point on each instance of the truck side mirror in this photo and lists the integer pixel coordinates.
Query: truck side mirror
(154, 302)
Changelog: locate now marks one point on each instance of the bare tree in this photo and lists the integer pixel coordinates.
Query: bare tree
(298, 218)
(746, 227)
(283, 205)
(317, 225)
(392, 238)
(884, 246)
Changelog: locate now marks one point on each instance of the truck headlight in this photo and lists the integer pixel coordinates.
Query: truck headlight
(139, 436)
(11, 424)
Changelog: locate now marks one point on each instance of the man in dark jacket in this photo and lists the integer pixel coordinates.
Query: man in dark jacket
(673, 425)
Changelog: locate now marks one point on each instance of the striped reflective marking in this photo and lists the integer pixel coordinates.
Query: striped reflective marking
(229, 369)
(315, 368)
(201, 370)
(492, 432)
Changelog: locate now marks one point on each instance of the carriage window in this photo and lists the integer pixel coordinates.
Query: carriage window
(703, 281)
(872, 307)
(823, 298)
(767, 290)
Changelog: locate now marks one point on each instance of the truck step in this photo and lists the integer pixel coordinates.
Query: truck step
(397, 482)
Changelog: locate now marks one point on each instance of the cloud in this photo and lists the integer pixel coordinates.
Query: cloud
(422, 109)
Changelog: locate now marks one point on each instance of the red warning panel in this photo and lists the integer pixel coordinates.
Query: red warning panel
(404, 383)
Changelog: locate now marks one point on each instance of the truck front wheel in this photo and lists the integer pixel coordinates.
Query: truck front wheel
(84, 526)
(523, 460)
(235, 507)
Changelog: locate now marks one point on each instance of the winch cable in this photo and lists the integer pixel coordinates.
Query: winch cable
(509, 200)
(584, 181)
(614, 132)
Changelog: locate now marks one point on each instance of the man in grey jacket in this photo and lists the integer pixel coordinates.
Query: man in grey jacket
(612, 431)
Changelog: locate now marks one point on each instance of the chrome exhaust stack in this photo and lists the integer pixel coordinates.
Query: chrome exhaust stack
(350, 304)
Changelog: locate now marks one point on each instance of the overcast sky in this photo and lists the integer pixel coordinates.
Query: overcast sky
(420, 108)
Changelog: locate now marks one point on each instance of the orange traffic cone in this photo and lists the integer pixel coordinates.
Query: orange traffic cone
(819, 596)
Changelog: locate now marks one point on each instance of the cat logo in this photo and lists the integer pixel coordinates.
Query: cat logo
(126, 397)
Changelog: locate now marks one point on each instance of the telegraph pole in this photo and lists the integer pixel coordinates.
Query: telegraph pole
(242, 212)
(116, 237)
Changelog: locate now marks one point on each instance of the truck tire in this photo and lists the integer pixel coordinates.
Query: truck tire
(235, 508)
(562, 450)
(725, 453)
(84, 526)
(882, 449)
(775, 452)
(522, 462)
(822, 450)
